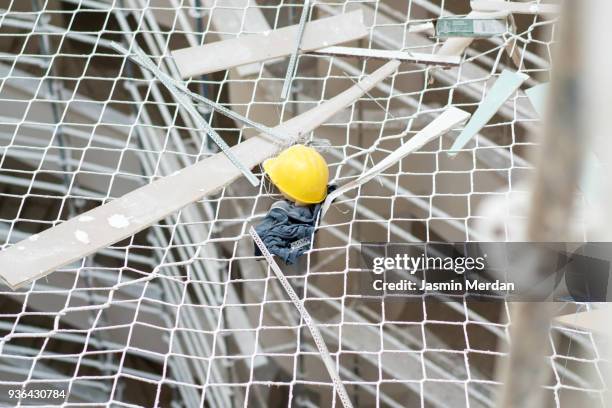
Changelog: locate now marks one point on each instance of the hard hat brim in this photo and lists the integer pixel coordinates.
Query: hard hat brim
(268, 166)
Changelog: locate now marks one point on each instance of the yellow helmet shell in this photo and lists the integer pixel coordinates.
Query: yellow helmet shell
(300, 172)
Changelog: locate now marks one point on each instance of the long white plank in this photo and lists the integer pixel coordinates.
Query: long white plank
(232, 16)
(222, 55)
(507, 83)
(404, 56)
(40, 255)
(449, 119)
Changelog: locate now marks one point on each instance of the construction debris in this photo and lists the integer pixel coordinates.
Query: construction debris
(186, 104)
(234, 16)
(507, 83)
(449, 119)
(222, 55)
(404, 56)
(310, 323)
(537, 96)
(145, 62)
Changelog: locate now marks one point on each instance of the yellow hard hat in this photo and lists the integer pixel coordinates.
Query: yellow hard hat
(300, 172)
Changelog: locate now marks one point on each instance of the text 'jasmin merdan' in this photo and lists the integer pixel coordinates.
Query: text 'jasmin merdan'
(413, 264)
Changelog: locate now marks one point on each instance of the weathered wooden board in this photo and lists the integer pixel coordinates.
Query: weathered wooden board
(222, 55)
(404, 56)
(507, 83)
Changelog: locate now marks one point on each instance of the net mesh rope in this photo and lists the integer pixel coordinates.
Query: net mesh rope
(81, 125)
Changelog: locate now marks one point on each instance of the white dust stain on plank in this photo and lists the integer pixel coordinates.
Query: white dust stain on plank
(82, 236)
(118, 221)
(86, 218)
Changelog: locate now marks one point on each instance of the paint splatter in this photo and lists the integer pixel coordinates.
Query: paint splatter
(20, 247)
(86, 218)
(82, 236)
(118, 221)
(34, 237)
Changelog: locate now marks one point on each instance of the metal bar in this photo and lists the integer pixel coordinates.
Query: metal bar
(314, 331)
(439, 126)
(223, 55)
(294, 55)
(200, 121)
(404, 56)
(216, 106)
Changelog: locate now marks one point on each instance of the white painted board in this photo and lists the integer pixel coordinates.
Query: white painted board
(222, 55)
(404, 56)
(596, 320)
(449, 119)
(125, 216)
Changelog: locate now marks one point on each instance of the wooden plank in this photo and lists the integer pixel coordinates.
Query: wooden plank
(57, 246)
(229, 18)
(329, 363)
(471, 74)
(449, 119)
(507, 83)
(292, 66)
(537, 96)
(514, 7)
(179, 92)
(413, 57)
(222, 55)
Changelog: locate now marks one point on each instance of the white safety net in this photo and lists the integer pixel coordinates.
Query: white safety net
(81, 125)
